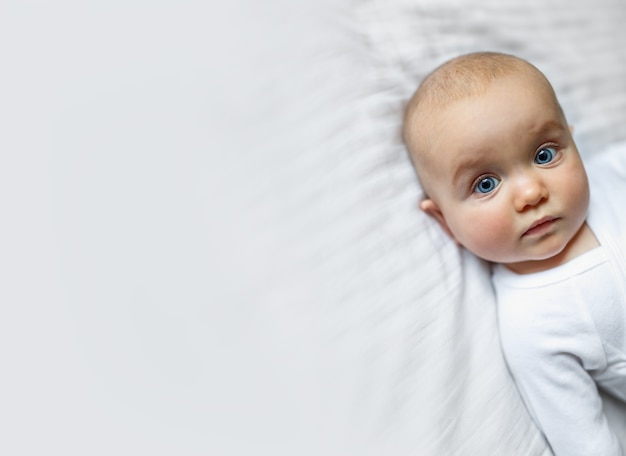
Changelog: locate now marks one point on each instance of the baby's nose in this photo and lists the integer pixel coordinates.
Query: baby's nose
(531, 191)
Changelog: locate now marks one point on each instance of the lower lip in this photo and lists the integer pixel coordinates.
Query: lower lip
(541, 229)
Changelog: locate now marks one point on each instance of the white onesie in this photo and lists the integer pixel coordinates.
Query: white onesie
(564, 330)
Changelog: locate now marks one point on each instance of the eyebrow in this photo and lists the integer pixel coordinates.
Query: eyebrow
(549, 126)
(467, 165)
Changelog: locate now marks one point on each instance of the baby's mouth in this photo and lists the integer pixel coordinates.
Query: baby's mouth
(540, 226)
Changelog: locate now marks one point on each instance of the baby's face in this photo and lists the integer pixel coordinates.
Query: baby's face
(505, 179)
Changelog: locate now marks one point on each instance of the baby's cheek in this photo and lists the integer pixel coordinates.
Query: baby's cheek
(487, 236)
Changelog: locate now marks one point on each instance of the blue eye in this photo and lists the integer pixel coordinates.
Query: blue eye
(545, 155)
(486, 184)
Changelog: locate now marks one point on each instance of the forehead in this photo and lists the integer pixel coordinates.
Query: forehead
(510, 109)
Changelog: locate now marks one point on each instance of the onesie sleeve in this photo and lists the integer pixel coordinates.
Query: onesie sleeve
(550, 367)
(564, 401)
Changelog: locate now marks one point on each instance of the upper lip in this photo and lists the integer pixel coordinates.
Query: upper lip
(540, 221)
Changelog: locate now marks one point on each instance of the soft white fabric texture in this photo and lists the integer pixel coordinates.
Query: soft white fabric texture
(563, 330)
(211, 242)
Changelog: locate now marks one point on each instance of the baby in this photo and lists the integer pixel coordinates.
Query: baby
(503, 177)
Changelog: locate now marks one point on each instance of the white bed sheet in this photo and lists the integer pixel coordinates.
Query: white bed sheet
(211, 242)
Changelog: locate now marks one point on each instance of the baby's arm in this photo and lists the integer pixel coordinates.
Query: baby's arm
(564, 401)
(552, 346)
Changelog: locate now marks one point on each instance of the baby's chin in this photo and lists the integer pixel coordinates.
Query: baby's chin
(537, 263)
(547, 258)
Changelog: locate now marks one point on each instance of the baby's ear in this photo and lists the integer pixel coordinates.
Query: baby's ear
(571, 128)
(431, 208)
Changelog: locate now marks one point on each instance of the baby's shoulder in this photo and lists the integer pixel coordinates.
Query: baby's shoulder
(523, 325)
(542, 324)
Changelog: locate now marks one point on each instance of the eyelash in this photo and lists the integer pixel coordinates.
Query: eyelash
(483, 178)
(550, 146)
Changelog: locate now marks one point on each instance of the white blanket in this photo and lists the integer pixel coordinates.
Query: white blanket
(211, 241)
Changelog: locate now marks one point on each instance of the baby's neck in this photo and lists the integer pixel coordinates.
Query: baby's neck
(582, 242)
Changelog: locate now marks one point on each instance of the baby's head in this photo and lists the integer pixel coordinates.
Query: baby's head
(496, 159)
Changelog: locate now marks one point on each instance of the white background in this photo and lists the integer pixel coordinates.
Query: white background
(134, 268)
